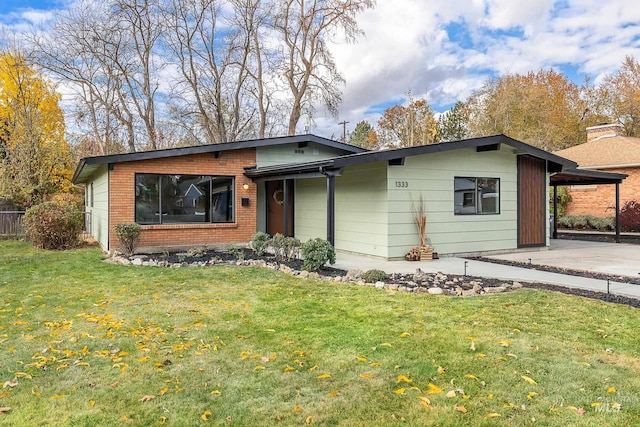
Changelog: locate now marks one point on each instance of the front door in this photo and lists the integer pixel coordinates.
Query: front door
(532, 212)
(276, 207)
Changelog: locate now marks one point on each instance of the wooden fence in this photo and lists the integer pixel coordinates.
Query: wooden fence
(11, 226)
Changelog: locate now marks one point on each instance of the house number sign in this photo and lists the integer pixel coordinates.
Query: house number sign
(402, 184)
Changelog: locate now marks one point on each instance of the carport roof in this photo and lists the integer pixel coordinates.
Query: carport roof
(585, 177)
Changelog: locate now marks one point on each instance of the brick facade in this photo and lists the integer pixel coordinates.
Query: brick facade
(229, 163)
(600, 200)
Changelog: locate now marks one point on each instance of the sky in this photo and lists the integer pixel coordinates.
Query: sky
(444, 50)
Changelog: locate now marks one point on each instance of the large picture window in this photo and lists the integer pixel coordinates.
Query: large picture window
(476, 196)
(179, 199)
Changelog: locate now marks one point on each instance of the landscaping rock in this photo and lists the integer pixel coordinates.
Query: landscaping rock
(494, 289)
(354, 274)
(379, 285)
(516, 285)
(435, 291)
(469, 293)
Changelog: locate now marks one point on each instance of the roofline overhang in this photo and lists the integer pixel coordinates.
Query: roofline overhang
(585, 177)
(210, 148)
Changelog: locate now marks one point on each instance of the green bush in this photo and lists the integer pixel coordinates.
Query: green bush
(260, 242)
(53, 225)
(284, 248)
(374, 275)
(128, 234)
(316, 253)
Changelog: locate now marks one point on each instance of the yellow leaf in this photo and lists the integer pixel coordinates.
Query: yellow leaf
(361, 358)
(375, 364)
(92, 403)
(386, 344)
(528, 379)
(433, 389)
(404, 378)
(366, 376)
(480, 356)
(35, 393)
(473, 377)
(58, 396)
(205, 415)
(23, 375)
(334, 393)
(163, 391)
(323, 376)
(147, 398)
(404, 334)
(493, 415)
(505, 343)
(258, 368)
(572, 408)
(400, 391)
(596, 404)
(308, 420)
(611, 390)
(216, 392)
(143, 359)
(297, 409)
(531, 395)
(512, 355)
(460, 409)
(163, 420)
(490, 396)
(440, 370)
(584, 363)
(553, 409)
(426, 403)
(289, 369)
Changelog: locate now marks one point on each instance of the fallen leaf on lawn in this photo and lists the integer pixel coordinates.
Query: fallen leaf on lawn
(386, 344)
(433, 389)
(297, 409)
(361, 358)
(440, 370)
(426, 403)
(163, 391)
(584, 363)
(147, 398)
(493, 415)
(529, 379)
(23, 375)
(4, 409)
(114, 385)
(572, 408)
(480, 356)
(216, 392)
(596, 404)
(451, 393)
(92, 403)
(58, 396)
(205, 415)
(366, 376)
(258, 368)
(334, 393)
(163, 420)
(4, 394)
(473, 346)
(35, 393)
(512, 355)
(375, 364)
(308, 420)
(473, 377)
(460, 409)
(404, 378)
(289, 369)
(554, 409)
(400, 391)
(323, 376)
(404, 334)
(611, 390)
(531, 395)
(616, 406)
(505, 343)
(12, 383)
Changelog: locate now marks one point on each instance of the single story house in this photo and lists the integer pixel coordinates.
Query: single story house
(482, 195)
(606, 150)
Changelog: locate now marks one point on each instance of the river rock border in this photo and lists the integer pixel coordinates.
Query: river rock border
(419, 282)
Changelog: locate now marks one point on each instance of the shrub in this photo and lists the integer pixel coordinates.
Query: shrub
(630, 216)
(284, 248)
(237, 252)
(316, 253)
(374, 275)
(128, 234)
(260, 242)
(587, 222)
(53, 225)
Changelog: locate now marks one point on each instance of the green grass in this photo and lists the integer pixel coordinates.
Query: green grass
(239, 346)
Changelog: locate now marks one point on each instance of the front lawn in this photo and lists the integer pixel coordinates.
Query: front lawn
(87, 343)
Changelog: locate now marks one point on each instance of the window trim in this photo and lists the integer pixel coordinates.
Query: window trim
(475, 194)
(211, 178)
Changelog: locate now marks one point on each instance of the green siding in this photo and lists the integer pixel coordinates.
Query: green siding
(310, 209)
(290, 153)
(100, 210)
(433, 176)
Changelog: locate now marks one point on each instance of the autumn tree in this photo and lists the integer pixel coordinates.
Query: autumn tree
(452, 124)
(363, 135)
(410, 125)
(621, 93)
(544, 109)
(305, 27)
(35, 160)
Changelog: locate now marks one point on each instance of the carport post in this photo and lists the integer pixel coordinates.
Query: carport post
(331, 208)
(285, 196)
(555, 211)
(617, 212)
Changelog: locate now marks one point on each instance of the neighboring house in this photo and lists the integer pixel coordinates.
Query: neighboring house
(608, 151)
(482, 195)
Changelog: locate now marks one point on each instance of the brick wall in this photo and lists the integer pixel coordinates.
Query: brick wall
(230, 163)
(600, 200)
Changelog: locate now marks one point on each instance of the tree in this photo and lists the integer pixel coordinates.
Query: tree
(452, 124)
(410, 125)
(35, 159)
(307, 66)
(621, 92)
(544, 109)
(363, 135)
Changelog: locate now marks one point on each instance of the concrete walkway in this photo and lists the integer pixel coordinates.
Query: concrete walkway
(608, 258)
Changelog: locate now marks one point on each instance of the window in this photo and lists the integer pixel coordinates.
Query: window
(179, 199)
(476, 196)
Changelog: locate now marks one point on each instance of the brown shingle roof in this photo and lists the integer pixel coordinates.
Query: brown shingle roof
(605, 152)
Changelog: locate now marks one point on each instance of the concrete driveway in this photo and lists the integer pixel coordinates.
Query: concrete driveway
(621, 259)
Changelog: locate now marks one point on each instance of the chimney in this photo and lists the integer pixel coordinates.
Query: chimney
(604, 131)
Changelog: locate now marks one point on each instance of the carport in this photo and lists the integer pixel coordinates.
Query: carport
(585, 177)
